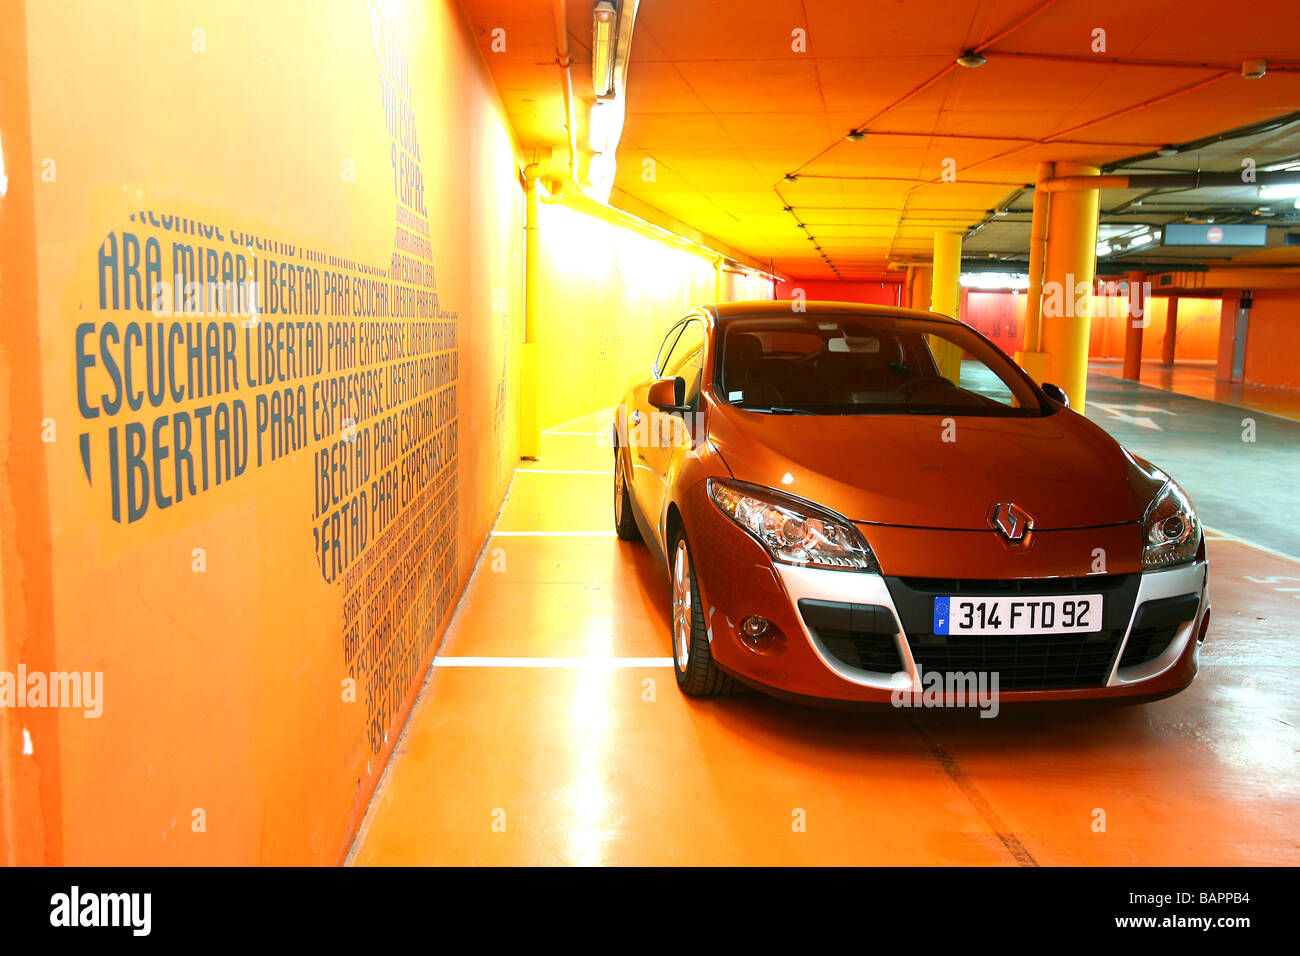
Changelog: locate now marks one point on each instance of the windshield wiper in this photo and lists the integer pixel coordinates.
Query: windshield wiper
(789, 410)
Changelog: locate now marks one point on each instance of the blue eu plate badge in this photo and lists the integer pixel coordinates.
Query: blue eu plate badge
(941, 615)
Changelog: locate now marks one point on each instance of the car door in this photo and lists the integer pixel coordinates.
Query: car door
(640, 417)
(668, 431)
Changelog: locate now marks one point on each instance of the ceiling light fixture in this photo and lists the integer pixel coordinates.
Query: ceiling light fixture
(789, 178)
(1282, 191)
(602, 47)
(970, 59)
(1254, 69)
(855, 136)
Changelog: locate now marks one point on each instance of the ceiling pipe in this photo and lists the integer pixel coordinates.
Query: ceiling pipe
(1240, 132)
(1193, 180)
(565, 62)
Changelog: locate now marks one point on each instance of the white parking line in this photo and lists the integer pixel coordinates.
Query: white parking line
(611, 663)
(552, 534)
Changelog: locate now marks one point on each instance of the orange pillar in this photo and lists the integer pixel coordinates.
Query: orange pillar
(530, 371)
(1227, 327)
(919, 291)
(1138, 319)
(1068, 268)
(1171, 331)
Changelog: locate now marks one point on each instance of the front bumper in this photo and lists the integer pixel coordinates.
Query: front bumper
(857, 638)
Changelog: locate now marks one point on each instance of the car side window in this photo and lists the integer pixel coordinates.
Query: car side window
(689, 369)
(687, 345)
(665, 349)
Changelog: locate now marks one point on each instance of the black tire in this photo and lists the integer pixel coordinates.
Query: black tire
(624, 522)
(698, 676)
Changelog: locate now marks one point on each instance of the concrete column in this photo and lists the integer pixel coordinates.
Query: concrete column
(945, 296)
(1068, 268)
(1138, 319)
(1171, 331)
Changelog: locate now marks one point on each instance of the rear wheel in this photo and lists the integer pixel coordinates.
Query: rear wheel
(697, 675)
(624, 523)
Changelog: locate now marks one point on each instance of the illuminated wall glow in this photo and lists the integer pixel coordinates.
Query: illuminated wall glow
(609, 293)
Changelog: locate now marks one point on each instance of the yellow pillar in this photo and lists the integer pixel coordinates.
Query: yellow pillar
(1030, 358)
(945, 296)
(1068, 269)
(530, 360)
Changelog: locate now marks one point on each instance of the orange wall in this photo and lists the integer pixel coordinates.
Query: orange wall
(228, 734)
(1197, 334)
(1273, 339)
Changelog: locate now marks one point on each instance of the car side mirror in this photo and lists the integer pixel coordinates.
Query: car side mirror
(1056, 394)
(668, 394)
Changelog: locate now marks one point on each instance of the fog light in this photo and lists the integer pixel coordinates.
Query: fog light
(755, 628)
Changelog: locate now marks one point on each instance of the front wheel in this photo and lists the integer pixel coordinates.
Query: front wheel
(697, 675)
(624, 522)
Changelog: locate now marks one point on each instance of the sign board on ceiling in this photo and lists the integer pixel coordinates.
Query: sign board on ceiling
(1204, 234)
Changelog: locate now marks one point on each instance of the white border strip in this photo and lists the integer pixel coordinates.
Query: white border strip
(599, 663)
(1223, 535)
(556, 471)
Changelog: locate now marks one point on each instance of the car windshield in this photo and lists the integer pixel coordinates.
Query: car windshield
(867, 364)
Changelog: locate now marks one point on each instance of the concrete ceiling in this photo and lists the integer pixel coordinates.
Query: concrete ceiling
(725, 108)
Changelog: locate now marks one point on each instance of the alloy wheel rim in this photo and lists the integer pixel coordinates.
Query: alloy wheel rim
(682, 604)
(618, 491)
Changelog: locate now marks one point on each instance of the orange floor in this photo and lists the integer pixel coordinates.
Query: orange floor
(552, 732)
(1197, 380)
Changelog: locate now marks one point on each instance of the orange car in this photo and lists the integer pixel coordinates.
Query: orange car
(841, 520)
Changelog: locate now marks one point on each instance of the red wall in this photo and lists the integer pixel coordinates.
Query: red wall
(998, 315)
(874, 293)
(1001, 317)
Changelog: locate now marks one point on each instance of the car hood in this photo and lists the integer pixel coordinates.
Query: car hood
(898, 469)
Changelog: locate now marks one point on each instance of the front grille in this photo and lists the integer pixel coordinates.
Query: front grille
(1155, 626)
(859, 635)
(1022, 661)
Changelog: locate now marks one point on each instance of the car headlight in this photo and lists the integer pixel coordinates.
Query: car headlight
(1171, 532)
(792, 530)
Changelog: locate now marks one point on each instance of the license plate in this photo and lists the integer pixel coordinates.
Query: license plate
(1076, 614)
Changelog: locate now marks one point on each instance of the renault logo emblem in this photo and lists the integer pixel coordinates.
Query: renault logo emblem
(1011, 521)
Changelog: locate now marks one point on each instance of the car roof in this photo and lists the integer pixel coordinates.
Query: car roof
(751, 308)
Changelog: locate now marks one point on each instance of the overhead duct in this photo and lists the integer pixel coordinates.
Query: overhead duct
(1190, 180)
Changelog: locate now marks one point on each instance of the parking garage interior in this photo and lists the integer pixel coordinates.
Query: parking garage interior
(317, 317)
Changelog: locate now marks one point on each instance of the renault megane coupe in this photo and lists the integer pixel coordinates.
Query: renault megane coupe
(848, 497)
